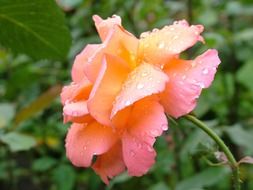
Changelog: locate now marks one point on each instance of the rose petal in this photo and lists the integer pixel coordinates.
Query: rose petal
(104, 26)
(159, 46)
(82, 59)
(187, 78)
(110, 164)
(76, 112)
(119, 43)
(76, 91)
(84, 141)
(108, 84)
(147, 121)
(138, 155)
(145, 80)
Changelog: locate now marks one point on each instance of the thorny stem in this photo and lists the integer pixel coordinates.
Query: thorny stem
(232, 162)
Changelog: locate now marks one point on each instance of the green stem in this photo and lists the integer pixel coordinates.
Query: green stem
(233, 164)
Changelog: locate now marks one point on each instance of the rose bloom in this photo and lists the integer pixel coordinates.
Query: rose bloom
(122, 89)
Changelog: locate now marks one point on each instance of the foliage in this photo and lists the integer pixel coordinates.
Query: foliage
(35, 59)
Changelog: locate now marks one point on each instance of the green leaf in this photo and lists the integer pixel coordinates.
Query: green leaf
(43, 164)
(7, 112)
(159, 186)
(42, 102)
(203, 179)
(34, 27)
(17, 141)
(241, 137)
(244, 75)
(64, 177)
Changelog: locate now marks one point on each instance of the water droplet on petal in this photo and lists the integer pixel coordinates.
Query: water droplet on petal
(175, 37)
(132, 153)
(193, 64)
(150, 149)
(89, 59)
(205, 71)
(127, 103)
(140, 86)
(144, 74)
(183, 77)
(154, 132)
(161, 45)
(164, 127)
(139, 145)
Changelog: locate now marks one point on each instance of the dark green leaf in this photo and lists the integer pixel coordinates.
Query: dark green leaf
(205, 178)
(7, 112)
(39, 104)
(17, 141)
(43, 164)
(34, 27)
(64, 177)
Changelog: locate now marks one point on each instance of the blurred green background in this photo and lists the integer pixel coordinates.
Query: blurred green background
(36, 55)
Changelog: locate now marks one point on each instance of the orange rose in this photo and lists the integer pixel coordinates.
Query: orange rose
(121, 89)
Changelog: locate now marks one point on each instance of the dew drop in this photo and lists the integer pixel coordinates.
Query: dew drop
(183, 77)
(193, 64)
(144, 34)
(132, 153)
(127, 103)
(175, 37)
(144, 74)
(139, 145)
(140, 86)
(89, 59)
(150, 149)
(164, 127)
(205, 71)
(154, 132)
(161, 45)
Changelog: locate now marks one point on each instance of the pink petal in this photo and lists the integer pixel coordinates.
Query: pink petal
(147, 121)
(76, 112)
(187, 78)
(104, 26)
(108, 84)
(119, 43)
(76, 91)
(145, 80)
(159, 46)
(82, 59)
(110, 164)
(84, 141)
(138, 155)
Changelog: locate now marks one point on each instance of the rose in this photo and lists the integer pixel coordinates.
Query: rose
(121, 89)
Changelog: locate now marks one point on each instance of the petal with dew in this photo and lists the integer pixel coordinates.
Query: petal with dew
(76, 112)
(159, 46)
(104, 26)
(82, 59)
(187, 78)
(145, 80)
(147, 121)
(85, 141)
(108, 84)
(119, 43)
(76, 91)
(110, 164)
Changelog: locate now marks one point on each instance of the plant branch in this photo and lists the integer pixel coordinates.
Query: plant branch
(232, 162)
